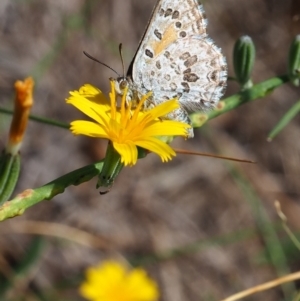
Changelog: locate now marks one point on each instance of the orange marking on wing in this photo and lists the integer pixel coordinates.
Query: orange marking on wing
(170, 36)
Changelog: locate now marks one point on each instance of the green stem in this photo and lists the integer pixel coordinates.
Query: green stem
(9, 175)
(257, 91)
(285, 120)
(30, 197)
(40, 119)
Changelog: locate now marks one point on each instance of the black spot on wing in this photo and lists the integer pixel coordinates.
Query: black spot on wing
(182, 34)
(185, 56)
(178, 24)
(158, 34)
(175, 14)
(167, 54)
(158, 65)
(191, 61)
(149, 53)
(186, 87)
(188, 70)
(190, 77)
(213, 75)
(168, 12)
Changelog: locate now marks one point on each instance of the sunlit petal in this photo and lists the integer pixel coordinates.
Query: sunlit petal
(88, 128)
(163, 108)
(157, 146)
(169, 128)
(128, 152)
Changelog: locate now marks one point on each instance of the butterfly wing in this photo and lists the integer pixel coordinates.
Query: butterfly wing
(176, 58)
(196, 73)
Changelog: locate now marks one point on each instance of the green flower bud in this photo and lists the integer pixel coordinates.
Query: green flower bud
(111, 168)
(243, 60)
(142, 153)
(9, 174)
(294, 61)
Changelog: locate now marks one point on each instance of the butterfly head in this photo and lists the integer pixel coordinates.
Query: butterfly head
(122, 84)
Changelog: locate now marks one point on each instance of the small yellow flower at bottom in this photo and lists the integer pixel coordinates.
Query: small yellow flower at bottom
(111, 281)
(126, 127)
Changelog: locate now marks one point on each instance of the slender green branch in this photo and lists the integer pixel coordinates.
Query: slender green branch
(40, 119)
(257, 91)
(30, 197)
(285, 120)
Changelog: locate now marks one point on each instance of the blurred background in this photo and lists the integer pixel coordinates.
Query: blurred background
(203, 228)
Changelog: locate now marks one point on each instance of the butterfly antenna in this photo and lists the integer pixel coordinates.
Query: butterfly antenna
(94, 59)
(187, 152)
(122, 60)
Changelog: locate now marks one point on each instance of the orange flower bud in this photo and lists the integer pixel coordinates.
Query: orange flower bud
(23, 103)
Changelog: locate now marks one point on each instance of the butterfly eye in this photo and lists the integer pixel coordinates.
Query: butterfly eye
(123, 84)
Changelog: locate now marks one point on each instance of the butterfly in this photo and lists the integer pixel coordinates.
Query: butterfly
(176, 59)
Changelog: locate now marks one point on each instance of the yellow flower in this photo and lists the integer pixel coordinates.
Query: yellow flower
(127, 127)
(112, 281)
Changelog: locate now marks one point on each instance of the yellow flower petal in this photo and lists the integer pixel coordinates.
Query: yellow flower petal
(93, 94)
(169, 128)
(88, 128)
(87, 107)
(164, 108)
(157, 146)
(129, 152)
